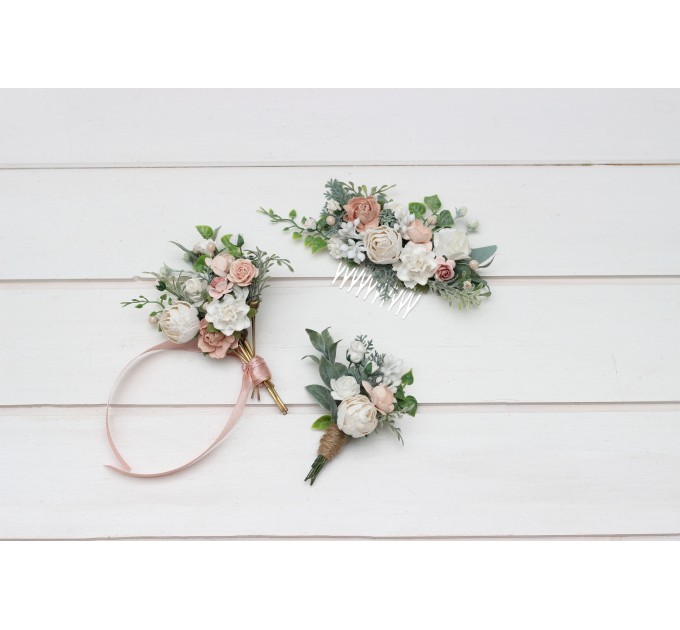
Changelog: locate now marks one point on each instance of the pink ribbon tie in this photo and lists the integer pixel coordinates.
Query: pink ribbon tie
(255, 373)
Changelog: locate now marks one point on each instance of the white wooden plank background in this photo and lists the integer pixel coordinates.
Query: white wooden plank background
(551, 411)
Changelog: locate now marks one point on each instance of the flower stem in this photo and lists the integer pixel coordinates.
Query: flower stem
(318, 464)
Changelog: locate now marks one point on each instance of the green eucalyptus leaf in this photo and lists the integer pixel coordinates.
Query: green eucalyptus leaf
(322, 423)
(199, 264)
(417, 209)
(484, 255)
(313, 357)
(445, 219)
(205, 231)
(409, 406)
(239, 240)
(317, 340)
(328, 370)
(407, 379)
(433, 202)
(322, 395)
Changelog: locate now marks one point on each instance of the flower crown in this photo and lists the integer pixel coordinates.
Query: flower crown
(423, 247)
(364, 394)
(210, 308)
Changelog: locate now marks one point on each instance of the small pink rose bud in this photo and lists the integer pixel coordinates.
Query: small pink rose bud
(330, 220)
(153, 320)
(211, 246)
(474, 265)
(432, 220)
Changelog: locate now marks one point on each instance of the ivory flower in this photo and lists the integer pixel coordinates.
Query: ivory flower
(335, 247)
(356, 351)
(383, 245)
(416, 265)
(204, 246)
(381, 396)
(229, 314)
(242, 272)
(194, 288)
(344, 387)
(392, 369)
(357, 417)
(179, 322)
(366, 209)
(332, 205)
(451, 243)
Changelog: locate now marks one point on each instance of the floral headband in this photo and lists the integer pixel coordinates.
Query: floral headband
(210, 308)
(395, 253)
(366, 393)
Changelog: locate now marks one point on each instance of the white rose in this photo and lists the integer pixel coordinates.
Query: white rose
(179, 322)
(344, 387)
(309, 223)
(332, 206)
(383, 245)
(416, 265)
(230, 313)
(357, 417)
(194, 288)
(356, 351)
(391, 369)
(335, 247)
(204, 246)
(451, 243)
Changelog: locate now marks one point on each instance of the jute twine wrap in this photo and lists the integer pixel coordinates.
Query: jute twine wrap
(332, 441)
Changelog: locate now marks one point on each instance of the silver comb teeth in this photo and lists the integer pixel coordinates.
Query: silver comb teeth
(404, 300)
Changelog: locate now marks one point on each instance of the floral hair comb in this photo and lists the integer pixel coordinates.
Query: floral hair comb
(210, 308)
(366, 393)
(395, 253)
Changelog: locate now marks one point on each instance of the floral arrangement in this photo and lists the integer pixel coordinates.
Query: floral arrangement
(422, 247)
(360, 396)
(216, 301)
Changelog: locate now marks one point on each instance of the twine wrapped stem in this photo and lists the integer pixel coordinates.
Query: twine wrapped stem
(330, 445)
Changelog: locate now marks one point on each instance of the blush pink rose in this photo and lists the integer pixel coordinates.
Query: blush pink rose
(242, 272)
(215, 344)
(381, 397)
(444, 270)
(418, 232)
(219, 287)
(220, 264)
(366, 209)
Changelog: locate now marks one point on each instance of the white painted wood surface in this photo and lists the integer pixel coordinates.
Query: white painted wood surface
(85, 127)
(551, 411)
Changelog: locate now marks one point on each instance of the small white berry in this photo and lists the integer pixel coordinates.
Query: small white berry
(473, 225)
(153, 320)
(330, 220)
(211, 246)
(467, 285)
(474, 265)
(461, 212)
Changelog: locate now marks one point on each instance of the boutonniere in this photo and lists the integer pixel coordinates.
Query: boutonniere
(209, 305)
(392, 252)
(361, 395)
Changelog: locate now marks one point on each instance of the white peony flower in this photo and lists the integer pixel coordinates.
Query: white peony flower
(230, 313)
(357, 417)
(309, 223)
(451, 243)
(332, 206)
(335, 247)
(179, 322)
(383, 245)
(348, 229)
(356, 351)
(416, 265)
(391, 370)
(344, 387)
(205, 246)
(404, 219)
(354, 250)
(194, 288)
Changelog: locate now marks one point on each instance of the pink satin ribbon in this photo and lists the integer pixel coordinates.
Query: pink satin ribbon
(255, 373)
